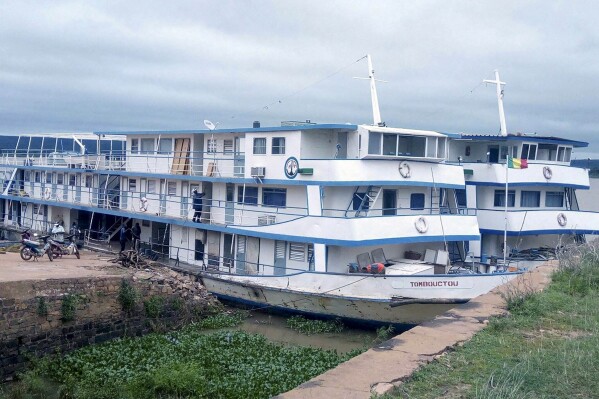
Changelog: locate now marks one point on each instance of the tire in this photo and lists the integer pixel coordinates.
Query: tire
(77, 253)
(26, 253)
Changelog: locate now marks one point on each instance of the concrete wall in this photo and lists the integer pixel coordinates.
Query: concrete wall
(27, 332)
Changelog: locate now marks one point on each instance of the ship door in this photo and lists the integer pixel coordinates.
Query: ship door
(493, 153)
(240, 256)
(389, 202)
(280, 251)
(228, 251)
(230, 204)
(239, 160)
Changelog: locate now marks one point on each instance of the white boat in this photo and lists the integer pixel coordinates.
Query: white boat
(293, 217)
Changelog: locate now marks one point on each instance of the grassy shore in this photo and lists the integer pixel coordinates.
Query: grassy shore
(548, 347)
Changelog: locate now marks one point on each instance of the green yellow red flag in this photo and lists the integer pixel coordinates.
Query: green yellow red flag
(517, 163)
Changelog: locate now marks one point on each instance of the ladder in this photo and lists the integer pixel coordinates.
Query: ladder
(367, 198)
(10, 182)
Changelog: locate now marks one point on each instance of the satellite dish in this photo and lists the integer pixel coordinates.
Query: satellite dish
(209, 125)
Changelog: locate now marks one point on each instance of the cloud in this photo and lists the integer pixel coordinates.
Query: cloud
(108, 65)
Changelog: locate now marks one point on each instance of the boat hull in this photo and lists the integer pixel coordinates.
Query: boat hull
(371, 300)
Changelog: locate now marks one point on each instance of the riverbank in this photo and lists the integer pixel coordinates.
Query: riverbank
(546, 347)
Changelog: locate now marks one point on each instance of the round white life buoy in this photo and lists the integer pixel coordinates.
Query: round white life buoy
(47, 194)
(404, 170)
(547, 173)
(421, 225)
(562, 219)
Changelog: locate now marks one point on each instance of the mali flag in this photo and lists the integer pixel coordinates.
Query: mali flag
(517, 163)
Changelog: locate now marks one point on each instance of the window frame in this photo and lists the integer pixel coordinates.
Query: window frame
(147, 141)
(297, 251)
(415, 207)
(530, 192)
(500, 195)
(279, 148)
(274, 191)
(163, 151)
(241, 199)
(554, 194)
(134, 146)
(255, 147)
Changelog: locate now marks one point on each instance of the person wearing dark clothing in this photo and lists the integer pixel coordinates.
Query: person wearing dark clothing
(136, 233)
(197, 205)
(123, 237)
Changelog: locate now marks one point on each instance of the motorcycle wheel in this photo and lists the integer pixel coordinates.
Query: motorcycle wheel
(26, 253)
(50, 256)
(77, 254)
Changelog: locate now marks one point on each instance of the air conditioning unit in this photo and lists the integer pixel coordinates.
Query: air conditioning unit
(266, 220)
(258, 171)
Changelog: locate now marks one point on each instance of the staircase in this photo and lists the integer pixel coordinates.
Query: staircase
(362, 201)
(109, 192)
(105, 237)
(9, 183)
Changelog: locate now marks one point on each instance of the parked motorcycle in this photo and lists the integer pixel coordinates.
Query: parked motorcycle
(70, 248)
(33, 249)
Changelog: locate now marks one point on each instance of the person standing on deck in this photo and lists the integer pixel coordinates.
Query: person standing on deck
(197, 205)
(136, 233)
(123, 237)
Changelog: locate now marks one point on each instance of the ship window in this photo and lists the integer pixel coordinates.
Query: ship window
(211, 146)
(554, 199)
(72, 180)
(568, 154)
(27, 175)
(147, 146)
(171, 188)
(274, 197)
(529, 151)
(260, 145)
(417, 201)
(37, 177)
(48, 177)
(374, 143)
(278, 145)
(390, 144)
(60, 178)
(411, 146)
(250, 197)
(228, 146)
(132, 185)
(500, 198)
(134, 146)
(530, 199)
(152, 186)
(88, 181)
(165, 146)
(297, 251)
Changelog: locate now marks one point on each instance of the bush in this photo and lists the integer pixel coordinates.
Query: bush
(127, 296)
(68, 308)
(309, 327)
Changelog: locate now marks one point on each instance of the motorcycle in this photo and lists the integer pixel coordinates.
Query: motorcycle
(59, 249)
(31, 249)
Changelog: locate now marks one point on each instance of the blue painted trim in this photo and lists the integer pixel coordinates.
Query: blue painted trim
(539, 232)
(333, 126)
(242, 231)
(241, 180)
(526, 184)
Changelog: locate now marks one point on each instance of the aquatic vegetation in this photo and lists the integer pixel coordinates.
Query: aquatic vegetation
(309, 326)
(187, 363)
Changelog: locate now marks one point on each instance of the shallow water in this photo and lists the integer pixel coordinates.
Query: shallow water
(274, 328)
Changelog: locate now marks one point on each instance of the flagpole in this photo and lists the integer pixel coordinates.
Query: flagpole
(507, 160)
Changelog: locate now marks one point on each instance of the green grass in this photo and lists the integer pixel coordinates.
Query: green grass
(548, 347)
(186, 363)
(310, 326)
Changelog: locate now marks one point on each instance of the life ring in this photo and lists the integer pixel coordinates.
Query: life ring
(421, 225)
(404, 170)
(547, 173)
(47, 194)
(562, 220)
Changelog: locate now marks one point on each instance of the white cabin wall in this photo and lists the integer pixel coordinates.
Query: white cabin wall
(318, 144)
(274, 163)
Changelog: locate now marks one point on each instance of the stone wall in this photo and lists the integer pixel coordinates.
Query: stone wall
(57, 316)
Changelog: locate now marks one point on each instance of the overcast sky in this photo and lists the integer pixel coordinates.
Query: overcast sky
(148, 65)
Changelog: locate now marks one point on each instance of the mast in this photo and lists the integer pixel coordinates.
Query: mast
(376, 112)
(498, 84)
